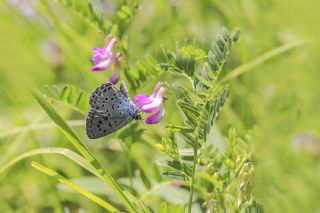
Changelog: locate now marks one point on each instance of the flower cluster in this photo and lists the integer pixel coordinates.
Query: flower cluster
(153, 104)
(103, 58)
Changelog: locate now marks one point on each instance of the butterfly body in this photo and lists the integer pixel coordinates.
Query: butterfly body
(111, 109)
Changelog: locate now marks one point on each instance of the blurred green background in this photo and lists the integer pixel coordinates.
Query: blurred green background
(44, 42)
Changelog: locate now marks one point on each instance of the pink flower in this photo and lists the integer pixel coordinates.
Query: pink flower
(153, 104)
(103, 58)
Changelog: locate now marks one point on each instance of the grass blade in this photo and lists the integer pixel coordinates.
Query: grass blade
(74, 186)
(261, 59)
(75, 157)
(40, 126)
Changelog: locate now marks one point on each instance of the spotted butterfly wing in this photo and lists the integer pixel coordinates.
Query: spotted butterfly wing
(111, 109)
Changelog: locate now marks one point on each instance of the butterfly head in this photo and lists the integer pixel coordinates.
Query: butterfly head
(137, 117)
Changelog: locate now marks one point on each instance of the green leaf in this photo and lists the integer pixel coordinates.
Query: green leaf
(236, 35)
(186, 61)
(190, 94)
(180, 128)
(122, 15)
(204, 77)
(163, 208)
(89, 183)
(205, 82)
(214, 64)
(78, 159)
(144, 69)
(74, 186)
(85, 10)
(188, 108)
(125, 14)
(70, 96)
(186, 154)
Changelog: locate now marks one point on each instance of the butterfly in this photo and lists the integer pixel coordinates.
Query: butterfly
(111, 109)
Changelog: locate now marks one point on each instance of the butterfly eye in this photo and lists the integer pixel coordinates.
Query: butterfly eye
(137, 117)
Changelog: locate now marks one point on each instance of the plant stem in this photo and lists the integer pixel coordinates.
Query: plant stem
(126, 150)
(212, 90)
(194, 169)
(261, 59)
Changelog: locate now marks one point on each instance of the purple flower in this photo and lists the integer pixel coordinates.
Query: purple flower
(103, 58)
(153, 104)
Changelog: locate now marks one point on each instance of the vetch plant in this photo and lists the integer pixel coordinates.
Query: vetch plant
(216, 133)
(200, 104)
(211, 179)
(215, 181)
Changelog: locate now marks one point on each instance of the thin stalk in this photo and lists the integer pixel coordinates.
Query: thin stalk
(74, 186)
(261, 59)
(126, 151)
(211, 91)
(194, 169)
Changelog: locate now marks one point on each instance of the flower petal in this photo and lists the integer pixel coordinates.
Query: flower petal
(96, 59)
(141, 100)
(156, 117)
(100, 54)
(111, 44)
(155, 104)
(157, 101)
(98, 50)
(156, 90)
(140, 97)
(103, 65)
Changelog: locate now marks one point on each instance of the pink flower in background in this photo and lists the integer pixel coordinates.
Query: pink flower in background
(153, 104)
(103, 58)
(25, 7)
